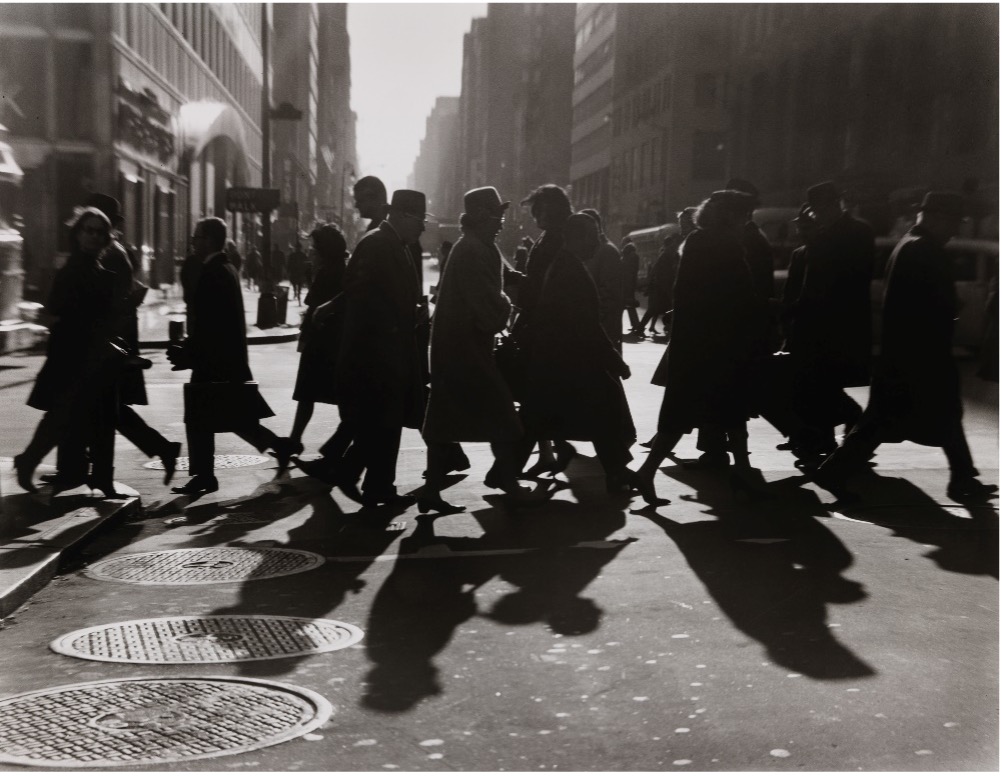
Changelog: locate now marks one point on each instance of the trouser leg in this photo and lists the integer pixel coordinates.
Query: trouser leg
(613, 454)
(631, 313)
(259, 437)
(851, 457)
(201, 452)
(737, 442)
(101, 437)
(337, 445)
(131, 425)
(712, 440)
(438, 457)
(378, 450)
(958, 453)
(50, 429)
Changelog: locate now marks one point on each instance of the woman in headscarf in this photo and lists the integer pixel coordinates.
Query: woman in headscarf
(470, 400)
(719, 330)
(76, 384)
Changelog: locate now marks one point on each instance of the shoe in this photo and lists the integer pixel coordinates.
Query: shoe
(284, 448)
(107, 488)
(749, 482)
(519, 496)
(645, 487)
(24, 474)
(349, 488)
(565, 452)
(709, 461)
(836, 486)
(169, 460)
(458, 462)
(320, 469)
(969, 488)
(438, 505)
(619, 484)
(197, 485)
(649, 443)
(784, 446)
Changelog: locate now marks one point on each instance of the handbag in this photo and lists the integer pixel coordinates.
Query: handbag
(220, 407)
(511, 363)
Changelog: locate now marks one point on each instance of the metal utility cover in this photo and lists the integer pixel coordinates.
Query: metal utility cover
(144, 721)
(214, 639)
(219, 462)
(204, 565)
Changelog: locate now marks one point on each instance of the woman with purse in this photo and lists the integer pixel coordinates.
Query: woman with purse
(76, 386)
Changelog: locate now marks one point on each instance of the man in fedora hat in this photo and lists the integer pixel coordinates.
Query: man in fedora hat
(829, 324)
(377, 368)
(915, 394)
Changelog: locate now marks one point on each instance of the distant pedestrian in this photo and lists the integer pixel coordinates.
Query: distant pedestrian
(253, 268)
(915, 394)
(297, 266)
(276, 265)
(233, 254)
(631, 268)
(661, 280)
(606, 268)
(469, 399)
(221, 395)
(315, 379)
(829, 329)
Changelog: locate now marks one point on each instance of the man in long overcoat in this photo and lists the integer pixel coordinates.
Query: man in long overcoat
(216, 353)
(915, 394)
(606, 268)
(574, 369)
(377, 370)
(829, 331)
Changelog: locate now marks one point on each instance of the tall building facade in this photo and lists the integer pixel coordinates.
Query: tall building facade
(157, 104)
(888, 100)
(591, 122)
(435, 171)
(669, 117)
(337, 160)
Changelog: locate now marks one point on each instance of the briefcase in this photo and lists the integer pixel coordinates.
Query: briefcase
(220, 407)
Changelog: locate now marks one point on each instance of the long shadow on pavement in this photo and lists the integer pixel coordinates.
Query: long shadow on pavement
(772, 568)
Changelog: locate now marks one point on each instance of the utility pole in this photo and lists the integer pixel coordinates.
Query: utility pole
(267, 306)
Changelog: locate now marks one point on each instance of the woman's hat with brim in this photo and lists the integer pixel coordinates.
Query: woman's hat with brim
(485, 199)
(947, 203)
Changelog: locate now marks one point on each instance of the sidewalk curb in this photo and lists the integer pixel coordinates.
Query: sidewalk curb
(36, 537)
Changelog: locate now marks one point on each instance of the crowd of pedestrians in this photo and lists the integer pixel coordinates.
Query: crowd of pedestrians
(526, 355)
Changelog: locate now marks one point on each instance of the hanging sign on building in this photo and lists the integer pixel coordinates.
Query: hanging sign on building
(251, 200)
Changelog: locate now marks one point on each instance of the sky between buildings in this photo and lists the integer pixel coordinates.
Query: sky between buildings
(403, 56)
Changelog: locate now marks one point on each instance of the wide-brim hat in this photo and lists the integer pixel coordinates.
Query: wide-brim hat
(486, 199)
(824, 194)
(740, 184)
(733, 199)
(945, 202)
(413, 203)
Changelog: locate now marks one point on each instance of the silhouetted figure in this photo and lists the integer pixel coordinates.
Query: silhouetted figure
(378, 371)
(221, 395)
(370, 200)
(298, 268)
(574, 369)
(606, 268)
(252, 271)
(915, 394)
(317, 342)
(276, 265)
(631, 268)
(758, 252)
(470, 400)
(718, 334)
(76, 384)
(829, 329)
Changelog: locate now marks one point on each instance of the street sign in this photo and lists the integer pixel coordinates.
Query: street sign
(250, 200)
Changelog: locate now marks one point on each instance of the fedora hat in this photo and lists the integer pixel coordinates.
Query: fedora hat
(410, 202)
(824, 194)
(485, 198)
(106, 204)
(946, 202)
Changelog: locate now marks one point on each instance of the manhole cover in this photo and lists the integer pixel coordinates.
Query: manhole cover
(123, 722)
(218, 639)
(221, 462)
(204, 566)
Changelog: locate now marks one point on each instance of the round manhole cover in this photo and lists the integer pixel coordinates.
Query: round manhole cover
(217, 639)
(132, 722)
(221, 462)
(204, 566)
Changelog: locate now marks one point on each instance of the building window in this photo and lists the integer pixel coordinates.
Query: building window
(709, 160)
(22, 109)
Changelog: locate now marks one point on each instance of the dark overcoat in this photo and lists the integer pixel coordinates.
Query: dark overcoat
(915, 394)
(758, 256)
(606, 269)
(575, 391)
(82, 300)
(661, 283)
(315, 378)
(830, 329)
(217, 328)
(132, 385)
(470, 400)
(377, 370)
(718, 337)
(541, 256)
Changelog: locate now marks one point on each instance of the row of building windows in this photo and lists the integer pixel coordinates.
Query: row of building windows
(593, 23)
(638, 167)
(594, 61)
(642, 107)
(597, 101)
(593, 143)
